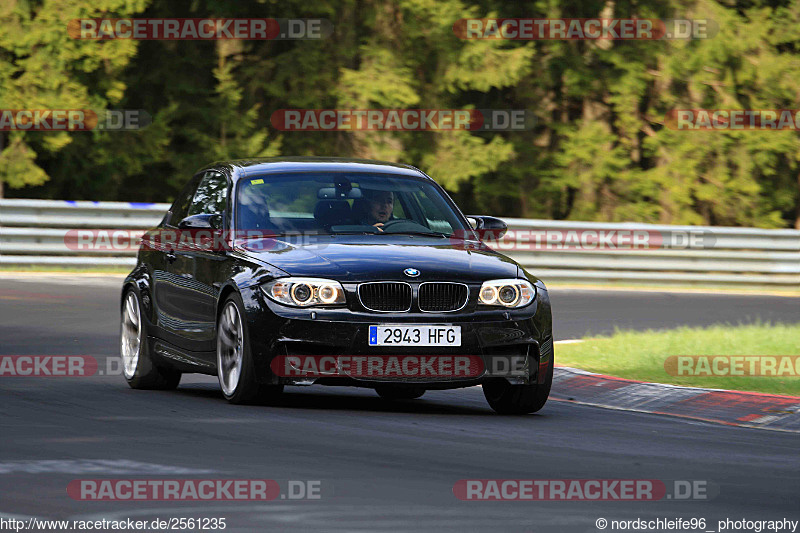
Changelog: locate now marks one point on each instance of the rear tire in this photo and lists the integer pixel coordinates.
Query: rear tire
(393, 392)
(137, 363)
(235, 368)
(507, 399)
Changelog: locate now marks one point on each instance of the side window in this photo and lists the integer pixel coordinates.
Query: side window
(210, 196)
(181, 204)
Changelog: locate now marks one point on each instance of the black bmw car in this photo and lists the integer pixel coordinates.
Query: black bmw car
(275, 272)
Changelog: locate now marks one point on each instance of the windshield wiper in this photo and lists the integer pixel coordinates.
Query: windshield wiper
(367, 232)
(422, 233)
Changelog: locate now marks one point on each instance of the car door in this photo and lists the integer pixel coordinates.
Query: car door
(196, 272)
(161, 254)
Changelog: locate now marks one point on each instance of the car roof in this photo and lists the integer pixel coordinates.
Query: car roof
(240, 168)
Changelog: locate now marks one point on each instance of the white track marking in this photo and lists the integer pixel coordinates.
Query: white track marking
(93, 466)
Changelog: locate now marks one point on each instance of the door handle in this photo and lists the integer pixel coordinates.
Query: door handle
(171, 256)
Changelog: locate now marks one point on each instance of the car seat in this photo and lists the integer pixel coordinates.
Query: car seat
(332, 213)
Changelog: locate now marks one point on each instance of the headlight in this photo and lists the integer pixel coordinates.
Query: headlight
(305, 292)
(506, 293)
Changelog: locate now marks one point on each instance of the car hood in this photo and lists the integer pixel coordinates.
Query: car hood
(370, 257)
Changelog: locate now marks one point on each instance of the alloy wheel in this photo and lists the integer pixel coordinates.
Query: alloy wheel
(131, 336)
(230, 349)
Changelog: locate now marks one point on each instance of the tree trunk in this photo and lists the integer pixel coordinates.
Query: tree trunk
(221, 65)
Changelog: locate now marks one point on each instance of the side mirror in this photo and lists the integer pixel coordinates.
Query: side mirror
(488, 227)
(202, 221)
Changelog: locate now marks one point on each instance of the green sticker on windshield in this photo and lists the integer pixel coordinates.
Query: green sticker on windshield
(257, 182)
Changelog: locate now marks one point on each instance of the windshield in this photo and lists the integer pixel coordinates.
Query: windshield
(344, 203)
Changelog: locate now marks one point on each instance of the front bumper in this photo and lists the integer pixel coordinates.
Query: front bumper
(516, 345)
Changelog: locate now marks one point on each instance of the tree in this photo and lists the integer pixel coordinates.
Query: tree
(41, 67)
(600, 150)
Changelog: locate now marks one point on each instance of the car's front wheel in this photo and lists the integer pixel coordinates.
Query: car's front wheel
(137, 364)
(235, 367)
(509, 399)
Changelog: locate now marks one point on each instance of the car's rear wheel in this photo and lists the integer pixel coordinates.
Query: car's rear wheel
(137, 364)
(395, 392)
(235, 368)
(507, 399)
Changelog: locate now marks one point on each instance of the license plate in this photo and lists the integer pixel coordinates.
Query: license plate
(415, 335)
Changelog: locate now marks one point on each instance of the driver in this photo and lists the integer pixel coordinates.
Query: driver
(376, 207)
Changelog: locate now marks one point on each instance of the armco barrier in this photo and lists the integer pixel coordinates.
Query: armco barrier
(32, 233)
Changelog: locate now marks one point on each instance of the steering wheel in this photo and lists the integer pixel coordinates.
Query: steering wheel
(400, 225)
(390, 223)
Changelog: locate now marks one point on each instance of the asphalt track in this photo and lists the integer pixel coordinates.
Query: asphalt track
(382, 466)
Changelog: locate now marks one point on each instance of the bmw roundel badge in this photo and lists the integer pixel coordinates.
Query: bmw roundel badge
(411, 272)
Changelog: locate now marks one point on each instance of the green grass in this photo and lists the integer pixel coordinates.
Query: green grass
(641, 355)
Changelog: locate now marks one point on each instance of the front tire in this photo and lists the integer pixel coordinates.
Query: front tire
(137, 364)
(507, 399)
(235, 368)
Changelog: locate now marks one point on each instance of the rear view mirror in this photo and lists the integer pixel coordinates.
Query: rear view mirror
(330, 193)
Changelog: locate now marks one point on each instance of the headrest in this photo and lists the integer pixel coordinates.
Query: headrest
(332, 213)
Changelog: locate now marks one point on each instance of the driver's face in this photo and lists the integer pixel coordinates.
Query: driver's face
(381, 206)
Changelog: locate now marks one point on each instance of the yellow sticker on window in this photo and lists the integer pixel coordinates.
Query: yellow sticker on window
(257, 182)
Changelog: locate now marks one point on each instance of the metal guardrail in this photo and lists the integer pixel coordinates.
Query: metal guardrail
(737, 256)
(66, 214)
(33, 232)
